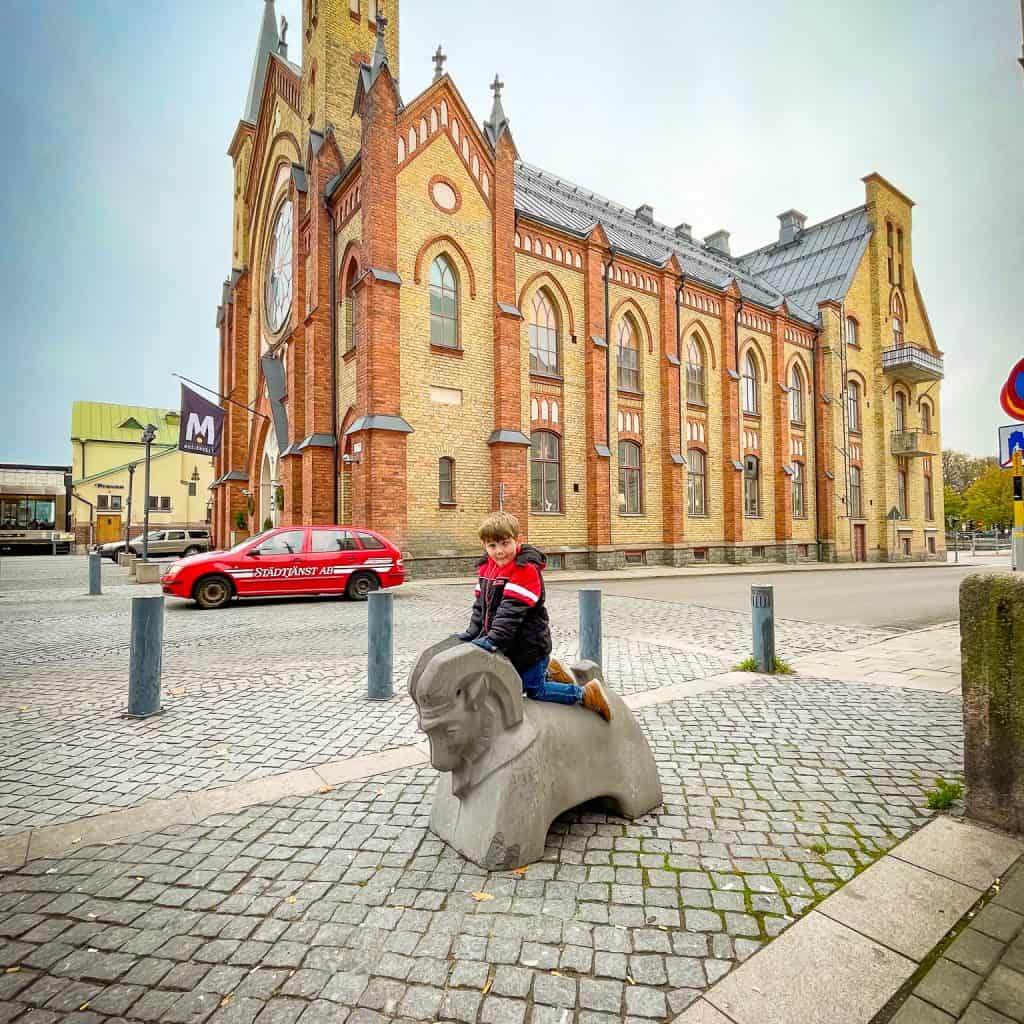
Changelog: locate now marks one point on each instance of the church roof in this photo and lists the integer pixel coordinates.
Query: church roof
(266, 45)
(819, 263)
(817, 266)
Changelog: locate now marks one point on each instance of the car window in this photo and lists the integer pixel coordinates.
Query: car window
(287, 543)
(198, 534)
(333, 540)
(370, 542)
(176, 535)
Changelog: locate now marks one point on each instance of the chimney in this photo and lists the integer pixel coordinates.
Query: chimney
(685, 232)
(791, 224)
(645, 213)
(719, 241)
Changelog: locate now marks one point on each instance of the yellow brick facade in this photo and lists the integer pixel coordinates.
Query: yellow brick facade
(402, 185)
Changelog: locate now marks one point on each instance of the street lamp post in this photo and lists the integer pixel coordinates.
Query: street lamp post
(128, 524)
(148, 436)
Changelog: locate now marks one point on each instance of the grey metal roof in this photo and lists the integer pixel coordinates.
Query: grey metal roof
(266, 44)
(561, 204)
(819, 264)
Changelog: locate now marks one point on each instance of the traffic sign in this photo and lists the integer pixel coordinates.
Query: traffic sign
(1012, 395)
(1011, 440)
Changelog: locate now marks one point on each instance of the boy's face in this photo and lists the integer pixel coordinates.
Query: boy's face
(502, 551)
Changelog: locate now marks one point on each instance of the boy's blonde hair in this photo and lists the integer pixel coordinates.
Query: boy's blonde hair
(499, 526)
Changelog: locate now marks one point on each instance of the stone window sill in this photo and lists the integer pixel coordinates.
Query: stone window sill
(445, 350)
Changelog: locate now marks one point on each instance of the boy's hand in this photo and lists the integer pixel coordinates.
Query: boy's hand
(464, 637)
(484, 643)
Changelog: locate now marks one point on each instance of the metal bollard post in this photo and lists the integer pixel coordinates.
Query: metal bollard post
(95, 582)
(380, 626)
(590, 627)
(762, 602)
(146, 660)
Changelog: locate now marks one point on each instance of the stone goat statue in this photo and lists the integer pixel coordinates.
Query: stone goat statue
(510, 765)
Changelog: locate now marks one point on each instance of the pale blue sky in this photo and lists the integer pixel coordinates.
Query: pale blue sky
(116, 200)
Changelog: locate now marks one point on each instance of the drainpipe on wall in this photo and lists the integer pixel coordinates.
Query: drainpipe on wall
(334, 365)
(819, 463)
(739, 381)
(680, 288)
(608, 384)
(92, 511)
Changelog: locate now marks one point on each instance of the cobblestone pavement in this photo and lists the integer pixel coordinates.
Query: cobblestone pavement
(341, 907)
(264, 687)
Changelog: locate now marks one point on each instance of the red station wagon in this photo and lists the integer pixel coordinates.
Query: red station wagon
(290, 560)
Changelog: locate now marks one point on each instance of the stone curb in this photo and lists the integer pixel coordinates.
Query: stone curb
(844, 961)
(188, 808)
(556, 576)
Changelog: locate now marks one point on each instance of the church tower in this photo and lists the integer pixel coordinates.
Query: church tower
(337, 37)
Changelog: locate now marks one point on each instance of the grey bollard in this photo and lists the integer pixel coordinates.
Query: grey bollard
(762, 603)
(590, 627)
(95, 581)
(380, 627)
(146, 660)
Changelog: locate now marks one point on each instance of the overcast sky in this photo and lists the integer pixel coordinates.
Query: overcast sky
(115, 209)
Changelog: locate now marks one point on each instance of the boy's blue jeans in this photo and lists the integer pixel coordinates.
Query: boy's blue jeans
(537, 686)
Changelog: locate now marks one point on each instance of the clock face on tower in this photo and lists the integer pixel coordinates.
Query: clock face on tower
(279, 270)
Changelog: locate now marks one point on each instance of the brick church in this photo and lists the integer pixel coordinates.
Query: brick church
(430, 327)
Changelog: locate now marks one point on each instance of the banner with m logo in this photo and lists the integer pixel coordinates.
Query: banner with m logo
(202, 424)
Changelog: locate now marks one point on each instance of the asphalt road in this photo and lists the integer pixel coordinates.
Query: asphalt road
(883, 598)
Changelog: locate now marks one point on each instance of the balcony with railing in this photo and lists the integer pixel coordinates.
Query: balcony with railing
(913, 363)
(914, 444)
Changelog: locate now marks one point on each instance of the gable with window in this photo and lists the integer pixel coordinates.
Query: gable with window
(444, 304)
(545, 472)
(630, 479)
(628, 355)
(696, 374)
(543, 329)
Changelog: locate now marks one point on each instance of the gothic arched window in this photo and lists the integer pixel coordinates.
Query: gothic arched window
(695, 374)
(749, 384)
(444, 304)
(543, 335)
(628, 355)
(630, 479)
(796, 396)
(545, 472)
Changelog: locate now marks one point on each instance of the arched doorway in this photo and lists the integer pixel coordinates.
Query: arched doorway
(269, 483)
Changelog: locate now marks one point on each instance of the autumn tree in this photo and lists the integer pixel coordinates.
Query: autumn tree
(954, 503)
(960, 470)
(990, 498)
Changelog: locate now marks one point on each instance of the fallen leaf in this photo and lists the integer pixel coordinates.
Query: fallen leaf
(24, 707)
(291, 974)
(84, 1006)
(291, 899)
(227, 999)
(380, 792)
(487, 986)
(630, 980)
(77, 839)
(557, 974)
(662, 928)
(177, 691)
(12, 970)
(481, 897)
(521, 871)
(325, 788)
(139, 878)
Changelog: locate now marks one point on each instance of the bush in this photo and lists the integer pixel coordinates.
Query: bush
(240, 521)
(944, 795)
(782, 668)
(268, 523)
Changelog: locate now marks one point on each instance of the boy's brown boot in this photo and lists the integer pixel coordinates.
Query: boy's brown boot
(557, 672)
(595, 700)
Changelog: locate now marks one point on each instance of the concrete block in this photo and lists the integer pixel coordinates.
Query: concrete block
(132, 562)
(901, 906)
(818, 970)
(992, 648)
(123, 558)
(966, 853)
(509, 765)
(148, 572)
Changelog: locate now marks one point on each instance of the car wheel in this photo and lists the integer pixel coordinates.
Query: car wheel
(193, 550)
(361, 585)
(212, 592)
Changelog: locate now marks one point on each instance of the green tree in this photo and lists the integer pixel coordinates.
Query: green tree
(954, 503)
(990, 498)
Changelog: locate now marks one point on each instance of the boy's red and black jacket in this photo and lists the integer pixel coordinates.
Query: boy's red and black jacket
(509, 607)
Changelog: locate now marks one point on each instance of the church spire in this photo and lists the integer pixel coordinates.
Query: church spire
(380, 54)
(498, 122)
(267, 42)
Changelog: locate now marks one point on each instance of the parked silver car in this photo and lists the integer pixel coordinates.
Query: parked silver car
(172, 542)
